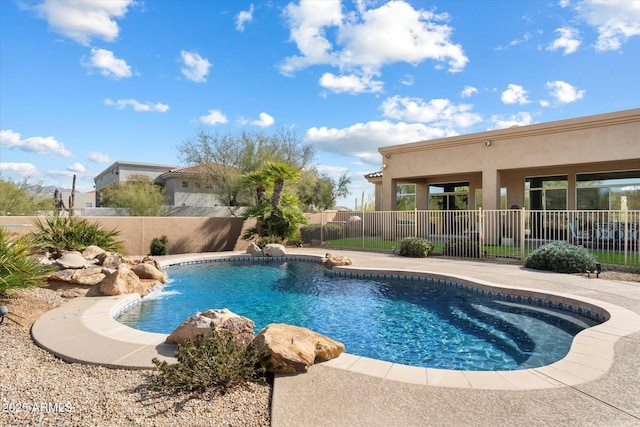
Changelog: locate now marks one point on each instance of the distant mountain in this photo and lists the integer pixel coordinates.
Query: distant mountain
(46, 189)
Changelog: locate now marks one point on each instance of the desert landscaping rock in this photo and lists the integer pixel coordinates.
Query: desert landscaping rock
(149, 271)
(122, 281)
(274, 250)
(110, 259)
(92, 252)
(224, 320)
(330, 260)
(254, 250)
(72, 260)
(294, 349)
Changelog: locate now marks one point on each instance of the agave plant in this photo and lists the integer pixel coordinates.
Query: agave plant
(60, 233)
(18, 269)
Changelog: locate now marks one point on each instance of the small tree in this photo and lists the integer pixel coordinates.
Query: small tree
(22, 199)
(139, 195)
(320, 191)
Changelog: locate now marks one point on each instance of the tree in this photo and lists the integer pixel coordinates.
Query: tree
(226, 159)
(278, 214)
(22, 199)
(320, 192)
(139, 195)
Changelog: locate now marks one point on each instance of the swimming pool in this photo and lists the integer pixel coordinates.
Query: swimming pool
(412, 322)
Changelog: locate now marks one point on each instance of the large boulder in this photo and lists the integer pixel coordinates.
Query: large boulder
(92, 252)
(330, 260)
(72, 260)
(225, 320)
(149, 271)
(122, 281)
(110, 259)
(293, 348)
(274, 250)
(89, 276)
(254, 250)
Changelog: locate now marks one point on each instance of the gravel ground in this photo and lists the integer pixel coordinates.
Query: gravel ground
(37, 389)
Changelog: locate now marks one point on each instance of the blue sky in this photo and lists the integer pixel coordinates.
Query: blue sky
(89, 82)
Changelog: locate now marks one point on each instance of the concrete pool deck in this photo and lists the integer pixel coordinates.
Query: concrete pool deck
(596, 384)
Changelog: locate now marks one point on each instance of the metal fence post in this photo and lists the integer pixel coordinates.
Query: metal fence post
(481, 232)
(523, 216)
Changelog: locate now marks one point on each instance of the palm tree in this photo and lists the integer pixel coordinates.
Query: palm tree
(279, 216)
(278, 173)
(259, 181)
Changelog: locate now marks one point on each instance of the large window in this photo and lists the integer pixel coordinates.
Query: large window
(406, 197)
(608, 191)
(503, 198)
(545, 193)
(449, 197)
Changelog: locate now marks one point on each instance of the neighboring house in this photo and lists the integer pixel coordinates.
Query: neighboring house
(185, 187)
(81, 200)
(586, 163)
(121, 171)
(185, 193)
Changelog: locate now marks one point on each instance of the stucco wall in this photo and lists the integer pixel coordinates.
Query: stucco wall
(502, 158)
(185, 234)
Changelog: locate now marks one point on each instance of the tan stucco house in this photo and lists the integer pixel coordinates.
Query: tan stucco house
(186, 193)
(586, 163)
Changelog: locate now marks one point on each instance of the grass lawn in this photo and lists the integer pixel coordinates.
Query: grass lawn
(604, 257)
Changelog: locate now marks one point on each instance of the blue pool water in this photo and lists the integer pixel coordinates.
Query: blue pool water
(418, 323)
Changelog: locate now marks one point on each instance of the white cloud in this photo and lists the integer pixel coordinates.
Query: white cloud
(22, 170)
(515, 94)
(407, 80)
(332, 171)
(362, 140)
(350, 83)
(468, 91)
(97, 157)
(439, 112)
(525, 38)
(84, 20)
(366, 40)
(264, 121)
(35, 144)
(77, 167)
(563, 92)
(568, 41)
(615, 20)
(120, 104)
(108, 64)
(195, 67)
(243, 17)
(213, 118)
(520, 119)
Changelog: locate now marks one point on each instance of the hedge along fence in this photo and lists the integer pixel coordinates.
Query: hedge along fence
(185, 234)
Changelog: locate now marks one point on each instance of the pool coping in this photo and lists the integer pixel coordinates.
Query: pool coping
(85, 330)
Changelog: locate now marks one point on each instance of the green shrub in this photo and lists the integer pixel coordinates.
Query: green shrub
(60, 233)
(462, 248)
(312, 232)
(561, 257)
(415, 247)
(18, 268)
(215, 361)
(159, 246)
